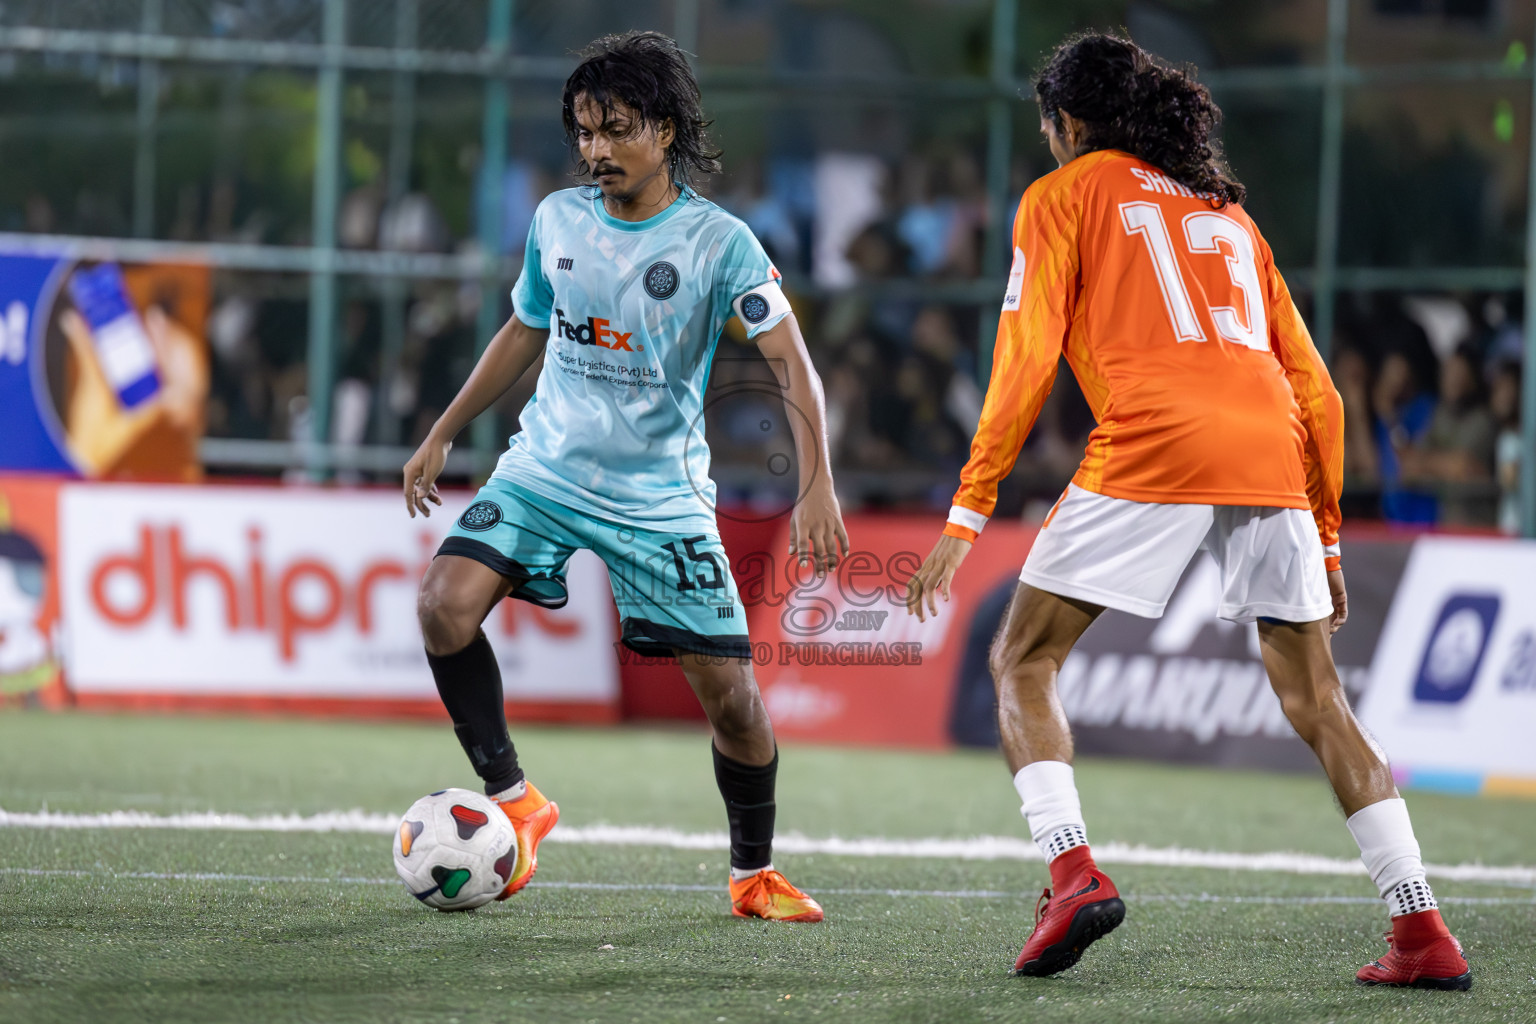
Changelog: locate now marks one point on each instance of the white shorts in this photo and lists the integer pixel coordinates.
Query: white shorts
(1129, 555)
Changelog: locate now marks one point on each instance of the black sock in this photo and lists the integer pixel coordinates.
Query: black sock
(749, 807)
(470, 684)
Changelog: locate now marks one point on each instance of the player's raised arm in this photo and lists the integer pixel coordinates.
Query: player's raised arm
(1037, 309)
(816, 528)
(514, 348)
(1322, 413)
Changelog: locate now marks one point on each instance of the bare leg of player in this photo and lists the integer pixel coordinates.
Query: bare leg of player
(456, 595)
(746, 768)
(1299, 661)
(1038, 633)
(1082, 904)
(728, 691)
(1424, 954)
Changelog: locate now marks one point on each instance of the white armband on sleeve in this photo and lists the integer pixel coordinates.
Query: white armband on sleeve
(968, 518)
(762, 304)
(1330, 551)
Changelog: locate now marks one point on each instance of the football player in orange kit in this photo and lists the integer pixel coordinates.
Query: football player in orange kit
(1218, 428)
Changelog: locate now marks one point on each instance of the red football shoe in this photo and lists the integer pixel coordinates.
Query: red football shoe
(1423, 954)
(1065, 926)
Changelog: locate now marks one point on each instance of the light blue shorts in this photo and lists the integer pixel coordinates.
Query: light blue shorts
(674, 590)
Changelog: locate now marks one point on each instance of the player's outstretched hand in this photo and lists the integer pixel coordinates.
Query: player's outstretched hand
(816, 529)
(421, 474)
(935, 575)
(1340, 601)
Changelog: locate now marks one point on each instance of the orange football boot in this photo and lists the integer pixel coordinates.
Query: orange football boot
(769, 895)
(532, 816)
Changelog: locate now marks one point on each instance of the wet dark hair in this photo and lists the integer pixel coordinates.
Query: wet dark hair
(1131, 101)
(646, 72)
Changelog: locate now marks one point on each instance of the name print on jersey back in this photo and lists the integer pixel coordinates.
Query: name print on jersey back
(1157, 181)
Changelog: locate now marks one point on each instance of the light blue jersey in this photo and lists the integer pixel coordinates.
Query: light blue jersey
(615, 428)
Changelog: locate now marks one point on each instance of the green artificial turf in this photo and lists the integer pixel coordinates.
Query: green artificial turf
(316, 928)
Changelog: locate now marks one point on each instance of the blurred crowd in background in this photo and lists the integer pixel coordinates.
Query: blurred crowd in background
(1431, 389)
(852, 234)
(872, 198)
(1431, 383)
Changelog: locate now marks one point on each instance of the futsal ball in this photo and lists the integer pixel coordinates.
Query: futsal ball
(455, 849)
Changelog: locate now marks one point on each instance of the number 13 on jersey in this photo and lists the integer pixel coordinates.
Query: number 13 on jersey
(1205, 233)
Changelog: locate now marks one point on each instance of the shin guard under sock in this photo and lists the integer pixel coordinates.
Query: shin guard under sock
(749, 807)
(469, 682)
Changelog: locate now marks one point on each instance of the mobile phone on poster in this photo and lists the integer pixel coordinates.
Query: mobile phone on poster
(123, 347)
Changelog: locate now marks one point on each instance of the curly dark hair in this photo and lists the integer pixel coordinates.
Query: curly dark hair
(649, 74)
(1132, 101)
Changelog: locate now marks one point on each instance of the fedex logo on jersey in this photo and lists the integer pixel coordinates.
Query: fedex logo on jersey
(594, 331)
(1456, 647)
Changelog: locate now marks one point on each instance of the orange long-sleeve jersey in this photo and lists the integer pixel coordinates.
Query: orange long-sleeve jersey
(1203, 379)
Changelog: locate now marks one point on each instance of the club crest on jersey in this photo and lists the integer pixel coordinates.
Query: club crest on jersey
(482, 515)
(754, 308)
(661, 280)
(594, 331)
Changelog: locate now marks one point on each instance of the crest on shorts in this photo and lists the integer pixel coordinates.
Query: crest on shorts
(661, 280)
(754, 308)
(482, 515)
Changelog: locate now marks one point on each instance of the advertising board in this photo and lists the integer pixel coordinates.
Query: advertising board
(304, 595)
(1453, 695)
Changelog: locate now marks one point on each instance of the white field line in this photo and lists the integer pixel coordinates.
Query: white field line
(986, 848)
(958, 894)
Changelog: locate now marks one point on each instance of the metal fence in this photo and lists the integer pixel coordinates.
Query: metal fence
(396, 46)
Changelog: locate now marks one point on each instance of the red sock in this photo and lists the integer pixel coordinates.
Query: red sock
(1066, 869)
(1415, 931)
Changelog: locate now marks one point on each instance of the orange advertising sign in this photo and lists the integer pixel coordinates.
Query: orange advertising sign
(29, 591)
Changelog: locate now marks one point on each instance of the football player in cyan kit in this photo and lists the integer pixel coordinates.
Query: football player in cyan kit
(627, 283)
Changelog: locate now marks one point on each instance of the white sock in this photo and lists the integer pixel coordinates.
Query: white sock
(516, 792)
(737, 874)
(1410, 897)
(1391, 855)
(1051, 807)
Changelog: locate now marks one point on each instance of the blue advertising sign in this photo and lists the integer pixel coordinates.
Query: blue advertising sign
(104, 371)
(1456, 647)
(34, 437)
